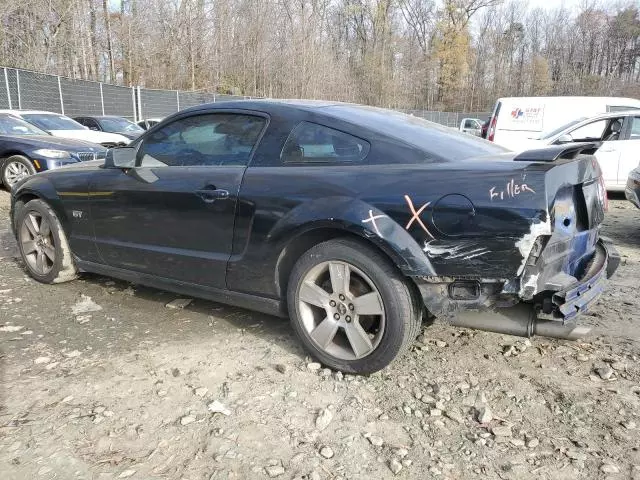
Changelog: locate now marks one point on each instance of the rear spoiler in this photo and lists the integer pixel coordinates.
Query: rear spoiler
(555, 152)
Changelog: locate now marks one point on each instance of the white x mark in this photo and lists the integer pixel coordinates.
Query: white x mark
(373, 219)
(416, 215)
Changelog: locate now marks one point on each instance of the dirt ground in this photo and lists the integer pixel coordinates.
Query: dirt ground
(117, 385)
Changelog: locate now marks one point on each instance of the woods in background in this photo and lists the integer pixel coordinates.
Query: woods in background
(455, 55)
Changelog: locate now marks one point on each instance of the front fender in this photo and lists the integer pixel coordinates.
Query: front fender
(359, 218)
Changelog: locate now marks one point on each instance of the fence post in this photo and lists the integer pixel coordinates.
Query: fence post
(133, 104)
(101, 98)
(18, 85)
(6, 82)
(60, 92)
(178, 99)
(140, 105)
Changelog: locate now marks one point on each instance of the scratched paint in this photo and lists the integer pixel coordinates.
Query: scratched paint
(525, 244)
(511, 190)
(462, 250)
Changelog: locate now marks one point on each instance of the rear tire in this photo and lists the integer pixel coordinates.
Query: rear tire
(351, 308)
(16, 168)
(43, 243)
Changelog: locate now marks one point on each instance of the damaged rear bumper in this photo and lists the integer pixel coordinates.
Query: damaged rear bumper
(577, 299)
(553, 314)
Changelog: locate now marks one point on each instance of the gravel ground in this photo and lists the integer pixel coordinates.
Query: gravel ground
(100, 380)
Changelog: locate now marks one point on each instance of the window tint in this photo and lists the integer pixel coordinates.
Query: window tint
(313, 143)
(203, 140)
(635, 128)
(435, 140)
(91, 123)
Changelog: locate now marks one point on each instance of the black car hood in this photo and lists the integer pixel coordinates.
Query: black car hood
(49, 141)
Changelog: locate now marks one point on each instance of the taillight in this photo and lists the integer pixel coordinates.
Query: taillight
(491, 135)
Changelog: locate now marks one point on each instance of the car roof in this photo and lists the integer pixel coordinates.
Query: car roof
(97, 116)
(16, 111)
(268, 104)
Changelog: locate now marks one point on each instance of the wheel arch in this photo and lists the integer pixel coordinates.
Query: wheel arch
(42, 190)
(6, 154)
(310, 237)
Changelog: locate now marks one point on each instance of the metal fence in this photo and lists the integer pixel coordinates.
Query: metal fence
(449, 119)
(23, 89)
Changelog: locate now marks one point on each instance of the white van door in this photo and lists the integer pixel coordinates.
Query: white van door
(629, 151)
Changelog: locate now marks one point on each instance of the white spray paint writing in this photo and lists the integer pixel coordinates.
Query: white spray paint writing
(372, 218)
(511, 190)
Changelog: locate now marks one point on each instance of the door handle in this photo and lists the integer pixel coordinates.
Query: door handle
(211, 194)
(608, 150)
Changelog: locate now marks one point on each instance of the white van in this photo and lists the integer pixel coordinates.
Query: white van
(515, 119)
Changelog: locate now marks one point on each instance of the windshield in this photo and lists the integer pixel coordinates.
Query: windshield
(14, 126)
(116, 125)
(553, 133)
(51, 121)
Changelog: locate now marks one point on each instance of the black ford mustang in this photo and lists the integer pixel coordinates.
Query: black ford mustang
(357, 222)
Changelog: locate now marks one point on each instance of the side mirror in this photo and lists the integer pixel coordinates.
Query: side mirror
(123, 157)
(566, 138)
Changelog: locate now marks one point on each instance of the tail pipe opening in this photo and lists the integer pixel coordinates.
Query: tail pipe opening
(519, 320)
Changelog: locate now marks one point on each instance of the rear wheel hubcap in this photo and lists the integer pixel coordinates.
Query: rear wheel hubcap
(341, 310)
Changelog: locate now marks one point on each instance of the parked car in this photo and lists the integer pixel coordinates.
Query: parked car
(472, 126)
(632, 191)
(25, 150)
(515, 119)
(148, 123)
(353, 220)
(111, 124)
(62, 126)
(485, 128)
(619, 135)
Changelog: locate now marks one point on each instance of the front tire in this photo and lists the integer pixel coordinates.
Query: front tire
(43, 243)
(351, 308)
(15, 169)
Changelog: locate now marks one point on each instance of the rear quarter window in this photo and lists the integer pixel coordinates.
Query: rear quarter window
(311, 143)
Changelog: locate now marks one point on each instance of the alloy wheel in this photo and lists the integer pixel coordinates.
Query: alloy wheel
(341, 310)
(15, 171)
(37, 243)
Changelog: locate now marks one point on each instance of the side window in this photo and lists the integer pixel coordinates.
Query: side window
(203, 140)
(635, 129)
(312, 143)
(468, 123)
(590, 131)
(91, 123)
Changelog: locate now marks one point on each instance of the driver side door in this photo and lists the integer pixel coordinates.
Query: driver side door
(172, 216)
